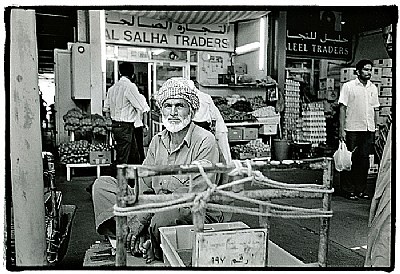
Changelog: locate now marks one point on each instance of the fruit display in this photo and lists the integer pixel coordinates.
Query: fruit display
(76, 120)
(264, 112)
(231, 115)
(257, 102)
(242, 105)
(254, 148)
(100, 147)
(74, 152)
(77, 152)
(100, 125)
(86, 122)
(72, 119)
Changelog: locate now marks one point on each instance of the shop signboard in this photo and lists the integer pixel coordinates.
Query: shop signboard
(319, 44)
(125, 29)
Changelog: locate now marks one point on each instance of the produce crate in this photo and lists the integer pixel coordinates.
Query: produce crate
(235, 134)
(327, 84)
(222, 245)
(268, 129)
(262, 154)
(250, 133)
(383, 63)
(100, 157)
(385, 92)
(385, 101)
(245, 155)
(347, 74)
(386, 72)
(376, 74)
(385, 111)
(386, 82)
(272, 120)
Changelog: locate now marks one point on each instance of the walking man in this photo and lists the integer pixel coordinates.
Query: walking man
(359, 106)
(124, 105)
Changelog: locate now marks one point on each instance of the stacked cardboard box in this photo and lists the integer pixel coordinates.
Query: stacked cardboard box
(327, 89)
(384, 85)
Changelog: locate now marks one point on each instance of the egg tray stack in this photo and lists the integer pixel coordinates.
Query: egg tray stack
(314, 124)
(292, 108)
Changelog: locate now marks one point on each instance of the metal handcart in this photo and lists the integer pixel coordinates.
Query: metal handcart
(219, 197)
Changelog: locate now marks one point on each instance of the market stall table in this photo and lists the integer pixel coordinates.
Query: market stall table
(83, 165)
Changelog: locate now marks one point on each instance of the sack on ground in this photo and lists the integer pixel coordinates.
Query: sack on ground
(342, 157)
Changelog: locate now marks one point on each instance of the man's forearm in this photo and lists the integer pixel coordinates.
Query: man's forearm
(342, 117)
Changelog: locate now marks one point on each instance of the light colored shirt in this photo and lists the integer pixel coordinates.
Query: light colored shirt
(360, 101)
(198, 144)
(139, 118)
(124, 101)
(208, 112)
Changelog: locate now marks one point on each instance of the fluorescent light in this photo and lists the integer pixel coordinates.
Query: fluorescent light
(158, 51)
(261, 53)
(247, 48)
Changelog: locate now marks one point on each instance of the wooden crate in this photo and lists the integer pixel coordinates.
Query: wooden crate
(385, 101)
(222, 245)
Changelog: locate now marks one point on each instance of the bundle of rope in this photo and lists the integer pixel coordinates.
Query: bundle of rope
(204, 200)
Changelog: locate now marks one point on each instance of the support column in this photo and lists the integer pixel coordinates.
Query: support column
(97, 50)
(26, 142)
(281, 50)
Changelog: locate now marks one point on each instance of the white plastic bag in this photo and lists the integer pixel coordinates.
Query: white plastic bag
(342, 157)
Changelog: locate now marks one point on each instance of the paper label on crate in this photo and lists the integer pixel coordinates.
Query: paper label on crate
(242, 248)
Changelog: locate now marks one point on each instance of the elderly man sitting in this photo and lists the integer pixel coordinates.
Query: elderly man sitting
(181, 142)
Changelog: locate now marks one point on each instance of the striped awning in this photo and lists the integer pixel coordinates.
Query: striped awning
(198, 17)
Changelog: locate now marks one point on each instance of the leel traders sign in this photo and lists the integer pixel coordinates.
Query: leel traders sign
(127, 29)
(318, 44)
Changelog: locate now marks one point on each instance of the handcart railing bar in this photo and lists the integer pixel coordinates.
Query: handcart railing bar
(214, 195)
(265, 194)
(149, 171)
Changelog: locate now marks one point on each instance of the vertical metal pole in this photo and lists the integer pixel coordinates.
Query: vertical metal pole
(325, 221)
(265, 222)
(121, 221)
(198, 223)
(25, 142)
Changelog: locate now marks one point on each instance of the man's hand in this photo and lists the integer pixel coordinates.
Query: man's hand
(137, 233)
(134, 228)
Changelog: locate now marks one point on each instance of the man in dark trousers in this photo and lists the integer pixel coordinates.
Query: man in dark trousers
(125, 105)
(359, 106)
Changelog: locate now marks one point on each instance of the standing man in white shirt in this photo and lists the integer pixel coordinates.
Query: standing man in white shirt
(359, 106)
(141, 128)
(125, 105)
(206, 115)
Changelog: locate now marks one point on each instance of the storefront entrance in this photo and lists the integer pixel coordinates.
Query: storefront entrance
(152, 68)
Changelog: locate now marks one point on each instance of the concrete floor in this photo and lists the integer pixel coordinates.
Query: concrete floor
(347, 237)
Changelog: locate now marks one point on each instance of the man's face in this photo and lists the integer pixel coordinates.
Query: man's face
(365, 72)
(176, 114)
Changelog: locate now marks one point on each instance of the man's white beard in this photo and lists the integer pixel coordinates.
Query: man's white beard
(176, 127)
